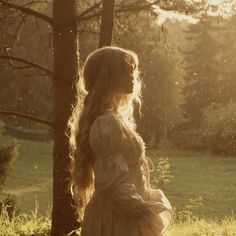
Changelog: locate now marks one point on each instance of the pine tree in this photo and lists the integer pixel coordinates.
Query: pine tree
(201, 85)
(228, 60)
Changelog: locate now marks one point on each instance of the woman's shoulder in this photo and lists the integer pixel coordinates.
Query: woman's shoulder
(106, 122)
(105, 134)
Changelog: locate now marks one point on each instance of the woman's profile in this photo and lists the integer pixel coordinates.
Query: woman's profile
(110, 172)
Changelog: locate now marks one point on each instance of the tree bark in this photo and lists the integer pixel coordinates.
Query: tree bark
(66, 63)
(106, 23)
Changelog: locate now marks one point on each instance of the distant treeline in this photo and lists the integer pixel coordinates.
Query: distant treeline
(188, 72)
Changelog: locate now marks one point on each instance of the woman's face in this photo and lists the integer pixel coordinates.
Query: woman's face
(125, 81)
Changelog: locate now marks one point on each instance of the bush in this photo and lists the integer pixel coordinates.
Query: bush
(186, 213)
(220, 123)
(8, 205)
(217, 132)
(190, 139)
(163, 173)
(8, 154)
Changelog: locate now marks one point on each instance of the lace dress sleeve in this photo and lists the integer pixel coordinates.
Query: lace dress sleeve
(111, 169)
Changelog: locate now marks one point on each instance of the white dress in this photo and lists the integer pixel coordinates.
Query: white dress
(123, 203)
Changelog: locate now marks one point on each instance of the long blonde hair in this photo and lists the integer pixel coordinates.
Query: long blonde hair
(94, 96)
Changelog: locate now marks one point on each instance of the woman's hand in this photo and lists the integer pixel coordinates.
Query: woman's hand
(159, 196)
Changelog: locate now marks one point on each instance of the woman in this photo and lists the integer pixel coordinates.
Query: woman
(110, 173)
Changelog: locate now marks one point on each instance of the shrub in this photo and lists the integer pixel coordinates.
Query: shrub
(217, 132)
(220, 124)
(186, 213)
(163, 173)
(189, 139)
(8, 154)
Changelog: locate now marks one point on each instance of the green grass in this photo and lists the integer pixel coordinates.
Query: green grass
(195, 174)
(201, 175)
(31, 175)
(38, 225)
(202, 227)
(23, 224)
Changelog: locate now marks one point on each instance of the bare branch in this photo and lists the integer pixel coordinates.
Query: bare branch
(137, 6)
(90, 9)
(17, 32)
(27, 63)
(27, 11)
(26, 116)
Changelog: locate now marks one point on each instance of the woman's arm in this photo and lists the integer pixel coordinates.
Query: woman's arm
(111, 169)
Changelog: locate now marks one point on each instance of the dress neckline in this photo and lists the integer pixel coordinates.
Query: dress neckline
(117, 114)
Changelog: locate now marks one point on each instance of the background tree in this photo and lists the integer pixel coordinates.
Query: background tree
(201, 85)
(209, 100)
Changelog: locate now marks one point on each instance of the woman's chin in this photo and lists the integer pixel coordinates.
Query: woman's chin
(130, 88)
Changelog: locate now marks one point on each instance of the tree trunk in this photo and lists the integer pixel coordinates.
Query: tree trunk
(66, 70)
(106, 23)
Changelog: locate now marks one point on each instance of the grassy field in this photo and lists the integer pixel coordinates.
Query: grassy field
(194, 175)
(31, 176)
(201, 175)
(35, 224)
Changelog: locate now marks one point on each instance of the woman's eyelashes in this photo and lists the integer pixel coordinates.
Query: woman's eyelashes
(127, 72)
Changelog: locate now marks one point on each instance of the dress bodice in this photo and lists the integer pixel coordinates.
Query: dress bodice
(132, 147)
